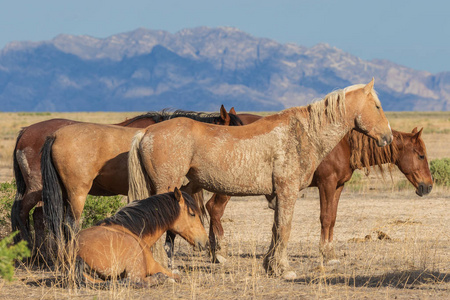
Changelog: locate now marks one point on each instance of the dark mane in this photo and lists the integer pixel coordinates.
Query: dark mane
(165, 114)
(211, 118)
(366, 154)
(146, 216)
(156, 116)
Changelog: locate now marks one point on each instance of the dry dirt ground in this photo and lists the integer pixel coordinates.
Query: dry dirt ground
(413, 264)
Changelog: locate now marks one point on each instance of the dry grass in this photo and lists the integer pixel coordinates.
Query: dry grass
(413, 264)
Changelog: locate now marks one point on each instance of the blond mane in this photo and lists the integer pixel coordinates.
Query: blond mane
(329, 110)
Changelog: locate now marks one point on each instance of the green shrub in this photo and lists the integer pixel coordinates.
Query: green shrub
(440, 170)
(9, 253)
(7, 193)
(99, 208)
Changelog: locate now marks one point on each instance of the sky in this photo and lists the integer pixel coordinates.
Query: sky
(413, 33)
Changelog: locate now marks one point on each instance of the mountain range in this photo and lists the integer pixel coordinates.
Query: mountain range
(198, 69)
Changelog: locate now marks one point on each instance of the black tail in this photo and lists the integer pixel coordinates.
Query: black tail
(16, 221)
(80, 265)
(51, 191)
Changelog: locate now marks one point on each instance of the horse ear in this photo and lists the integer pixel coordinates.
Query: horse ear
(223, 114)
(414, 130)
(418, 134)
(178, 194)
(232, 111)
(369, 87)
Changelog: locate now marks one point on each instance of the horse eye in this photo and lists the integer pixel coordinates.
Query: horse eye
(192, 213)
(377, 106)
(421, 157)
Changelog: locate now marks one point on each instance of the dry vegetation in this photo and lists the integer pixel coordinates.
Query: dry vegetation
(412, 263)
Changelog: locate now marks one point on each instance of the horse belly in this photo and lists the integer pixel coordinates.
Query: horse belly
(235, 179)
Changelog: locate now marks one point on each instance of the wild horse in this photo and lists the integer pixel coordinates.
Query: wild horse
(119, 246)
(274, 156)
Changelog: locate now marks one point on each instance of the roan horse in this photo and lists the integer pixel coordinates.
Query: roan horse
(354, 151)
(119, 246)
(90, 158)
(274, 156)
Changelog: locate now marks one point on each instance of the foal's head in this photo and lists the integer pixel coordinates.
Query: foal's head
(369, 118)
(188, 223)
(412, 161)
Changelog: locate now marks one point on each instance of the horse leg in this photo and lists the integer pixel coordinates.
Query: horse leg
(327, 190)
(30, 199)
(169, 247)
(337, 196)
(276, 260)
(39, 232)
(216, 207)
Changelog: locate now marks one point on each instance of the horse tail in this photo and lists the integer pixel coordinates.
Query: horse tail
(16, 221)
(80, 280)
(139, 183)
(51, 191)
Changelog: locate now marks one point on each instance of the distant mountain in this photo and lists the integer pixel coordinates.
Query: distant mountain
(197, 69)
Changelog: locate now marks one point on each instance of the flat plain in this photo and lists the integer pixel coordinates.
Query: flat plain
(414, 263)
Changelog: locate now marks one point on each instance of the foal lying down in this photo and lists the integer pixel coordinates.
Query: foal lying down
(119, 246)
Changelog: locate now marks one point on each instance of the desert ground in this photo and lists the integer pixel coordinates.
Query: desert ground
(413, 262)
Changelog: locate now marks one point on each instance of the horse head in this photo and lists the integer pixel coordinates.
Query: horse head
(413, 162)
(188, 224)
(369, 115)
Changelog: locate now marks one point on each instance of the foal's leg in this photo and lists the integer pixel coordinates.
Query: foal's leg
(276, 260)
(216, 207)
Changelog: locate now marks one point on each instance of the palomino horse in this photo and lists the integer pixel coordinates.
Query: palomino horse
(354, 151)
(276, 155)
(88, 158)
(27, 162)
(120, 245)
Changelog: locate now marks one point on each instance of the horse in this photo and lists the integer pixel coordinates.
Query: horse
(274, 156)
(88, 158)
(27, 164)
(354, 151)
(119, 246)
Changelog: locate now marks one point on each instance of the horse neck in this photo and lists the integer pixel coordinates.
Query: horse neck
(325, 134)
(150, 239)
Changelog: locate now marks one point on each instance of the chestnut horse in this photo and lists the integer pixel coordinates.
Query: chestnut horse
(119, 246)
(274, 156)
(88, 158)
(354, 151)
(27, 162)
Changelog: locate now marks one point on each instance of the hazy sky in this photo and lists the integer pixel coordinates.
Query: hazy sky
(414, 33)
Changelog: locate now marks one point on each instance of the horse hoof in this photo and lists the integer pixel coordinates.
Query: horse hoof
(220, 259)
(289, 275)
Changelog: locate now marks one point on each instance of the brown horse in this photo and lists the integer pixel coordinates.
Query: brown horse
(119, 246)
(88, 158)
(274, 156)
(27, 163)
(354, 151)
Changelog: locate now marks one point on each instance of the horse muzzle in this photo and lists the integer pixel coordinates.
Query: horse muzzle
(201, 245)
(385, 140)
(423, 189)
